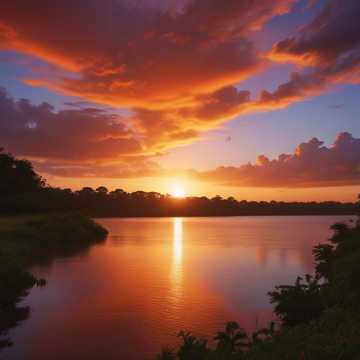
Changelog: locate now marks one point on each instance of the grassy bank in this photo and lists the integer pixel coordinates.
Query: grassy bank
(28, 240)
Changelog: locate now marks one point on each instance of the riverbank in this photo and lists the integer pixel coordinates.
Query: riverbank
(28, 240)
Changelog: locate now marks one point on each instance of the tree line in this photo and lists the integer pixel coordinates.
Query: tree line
(22, 190)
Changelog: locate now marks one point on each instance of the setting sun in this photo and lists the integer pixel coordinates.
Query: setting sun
(178, 191)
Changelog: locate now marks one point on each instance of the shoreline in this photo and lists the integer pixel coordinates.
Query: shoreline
(30, 240)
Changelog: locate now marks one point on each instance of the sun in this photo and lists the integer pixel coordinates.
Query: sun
(178, 191)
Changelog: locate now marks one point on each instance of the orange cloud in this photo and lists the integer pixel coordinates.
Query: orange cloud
(137, 167)
(311, 165)
(138, 55)
(162, 129)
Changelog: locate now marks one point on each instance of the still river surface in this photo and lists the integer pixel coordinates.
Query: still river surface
(126, 298)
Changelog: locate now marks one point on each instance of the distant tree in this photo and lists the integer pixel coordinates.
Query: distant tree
(102, 190)
(17, 175)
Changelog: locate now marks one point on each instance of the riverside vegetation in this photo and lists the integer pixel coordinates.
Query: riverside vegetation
(32, 239)
(318, 316)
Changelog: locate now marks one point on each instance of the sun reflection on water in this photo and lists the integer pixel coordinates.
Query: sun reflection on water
(176, 263)
(177, 241)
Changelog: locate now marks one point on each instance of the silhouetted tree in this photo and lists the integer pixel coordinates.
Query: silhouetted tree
(192, 347)
(299, 303)
(19, 184)
(231, 341)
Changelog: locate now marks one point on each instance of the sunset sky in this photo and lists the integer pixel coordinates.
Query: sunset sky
(254, 99)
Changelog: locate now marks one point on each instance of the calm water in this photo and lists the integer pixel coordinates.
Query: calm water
(128, 297)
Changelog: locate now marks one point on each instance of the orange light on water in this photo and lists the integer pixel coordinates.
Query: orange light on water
(176, 274)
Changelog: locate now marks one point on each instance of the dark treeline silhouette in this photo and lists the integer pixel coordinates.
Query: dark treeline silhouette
(24, 191)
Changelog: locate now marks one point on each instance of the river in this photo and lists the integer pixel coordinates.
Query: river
(126, 298)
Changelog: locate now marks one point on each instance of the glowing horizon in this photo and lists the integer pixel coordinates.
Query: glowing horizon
(255, 100)
(178, 191)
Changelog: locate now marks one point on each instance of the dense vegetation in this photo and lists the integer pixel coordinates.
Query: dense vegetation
(34, 196)
(32, 239)
(319, 316)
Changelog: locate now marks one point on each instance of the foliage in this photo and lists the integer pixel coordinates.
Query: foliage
(62, 228)
(231, 341)
(19, 184)
(298, 303)
(319, 316)
(192, 348)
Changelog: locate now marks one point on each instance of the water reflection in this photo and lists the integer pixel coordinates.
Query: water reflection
(176, 274)
(156, 276)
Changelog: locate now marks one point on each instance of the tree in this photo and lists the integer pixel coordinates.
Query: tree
(299, 303)
(17, 175)
(19, 184)
(233, 340)
(102, 190)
